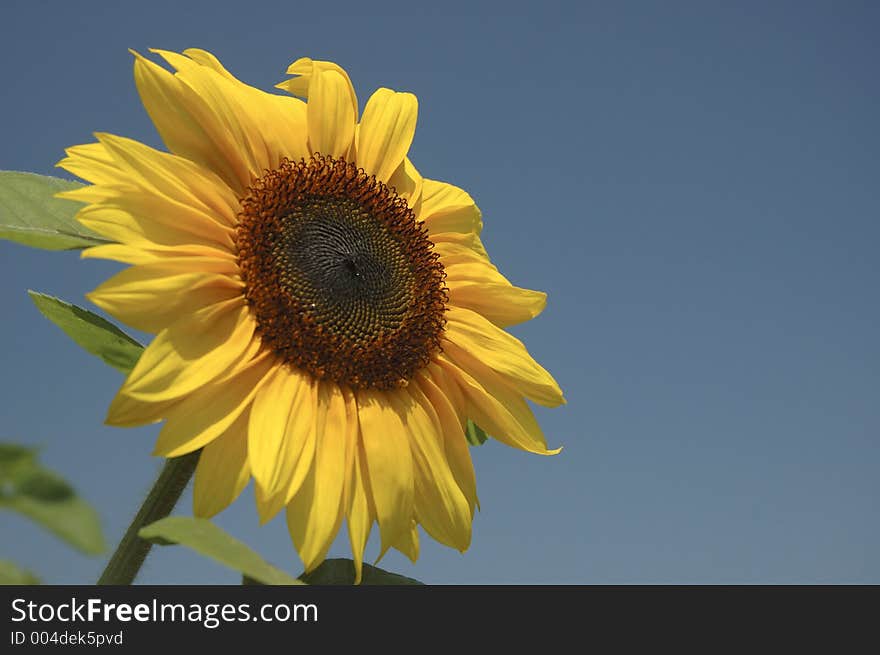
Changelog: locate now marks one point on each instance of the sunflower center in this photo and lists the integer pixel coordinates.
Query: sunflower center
(341, 278)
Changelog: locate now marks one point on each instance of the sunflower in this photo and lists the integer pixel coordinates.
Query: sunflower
(326, 320)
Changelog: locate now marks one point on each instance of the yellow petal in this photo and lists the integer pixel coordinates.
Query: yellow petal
(451, 390)
(91, 162)
(331, 115)
(223, 100)
(153, 254)
(126, 412)
(407, 183)
(223, 471)
(132, 172)
(287, 119)
(386, 132)
(496, 408)
(191, 353)
(205, 58)
(503, 353)
(361, 513)
(301, 429)
(168, 175)
(502, 304)
(469, 240)
(306, 69)
(474, 283)
(95, 192)
(463, 265)
(153, 221)
(152, 296)
(454, 442)
(314, 515)
(189, 126)
(276, 438)
(352, 445)
(408, 544)
(456, 248)
(440, 505)
(389, 464)
(210, 411)
(446, 208)
(276, 125)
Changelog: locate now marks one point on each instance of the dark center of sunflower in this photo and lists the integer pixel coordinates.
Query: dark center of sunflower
(342, 279)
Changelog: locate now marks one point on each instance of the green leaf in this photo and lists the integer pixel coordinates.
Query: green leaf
(475, 434)
(11, 573)
(90, 331)
(207, 539)
(43, 496)
(32, 216)
(12, 453)
(341, 572)
(13, 457)
(44, 485)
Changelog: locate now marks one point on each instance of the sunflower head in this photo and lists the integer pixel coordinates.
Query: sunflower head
(342, 278)
(326, 319)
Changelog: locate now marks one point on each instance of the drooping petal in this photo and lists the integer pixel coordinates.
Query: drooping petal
(301, 430)
(503, 353)
(451, 390)
(454, 442)
(389, 464)
(275, 444)
(408, 543)
(440, 506)
(223, 471)
(496, 408)
(361, 510)
(474, 283)
(386, 132)
(314, 515)
(502, 304)
(352, 445)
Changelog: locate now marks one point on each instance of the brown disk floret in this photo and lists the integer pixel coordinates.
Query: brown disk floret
(342, 279)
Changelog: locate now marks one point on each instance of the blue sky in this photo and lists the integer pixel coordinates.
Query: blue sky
(694, 184)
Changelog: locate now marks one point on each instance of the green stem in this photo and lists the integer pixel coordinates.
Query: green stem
(131, 552)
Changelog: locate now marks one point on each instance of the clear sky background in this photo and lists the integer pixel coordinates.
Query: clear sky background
(694, 183)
